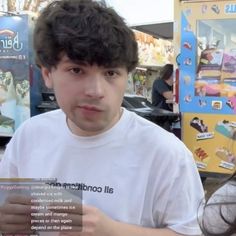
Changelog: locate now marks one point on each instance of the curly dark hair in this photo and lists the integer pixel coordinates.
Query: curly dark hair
(85, 31)
(219, 212)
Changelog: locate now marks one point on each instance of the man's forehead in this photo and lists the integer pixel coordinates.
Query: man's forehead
(65, 59)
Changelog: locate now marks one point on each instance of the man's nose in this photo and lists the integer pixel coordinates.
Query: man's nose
(95, 87)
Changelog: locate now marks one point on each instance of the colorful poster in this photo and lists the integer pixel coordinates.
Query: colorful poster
(14, 73)
(208, 57)
(152, 51)
(212, 140)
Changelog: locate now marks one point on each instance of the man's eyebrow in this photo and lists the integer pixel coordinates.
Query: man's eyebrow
(84, 63)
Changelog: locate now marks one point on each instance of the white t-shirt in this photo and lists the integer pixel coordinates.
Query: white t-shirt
(151, 175)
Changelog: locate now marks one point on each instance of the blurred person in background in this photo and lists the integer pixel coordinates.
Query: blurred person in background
(162, 89)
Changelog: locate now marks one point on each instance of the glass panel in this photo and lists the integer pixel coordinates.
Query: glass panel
(216, 58)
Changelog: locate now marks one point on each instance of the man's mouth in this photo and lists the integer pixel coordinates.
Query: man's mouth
(91, 108)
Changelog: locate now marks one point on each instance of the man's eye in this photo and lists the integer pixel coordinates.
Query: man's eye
(76, 70)
(111, 73)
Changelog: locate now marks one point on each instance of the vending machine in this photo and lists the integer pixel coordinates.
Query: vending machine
(205, 46)
(19, 76)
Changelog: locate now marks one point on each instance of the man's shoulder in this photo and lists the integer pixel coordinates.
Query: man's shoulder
(43, 121)
(40, 128)
(148, 129)
(160, 84)
(153, 135)
(138, 120)
(159, 81)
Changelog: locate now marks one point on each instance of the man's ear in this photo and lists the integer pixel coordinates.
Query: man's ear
(47, 77)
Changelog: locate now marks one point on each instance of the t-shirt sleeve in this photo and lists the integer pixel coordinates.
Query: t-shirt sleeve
(178, 203)
(161, 86)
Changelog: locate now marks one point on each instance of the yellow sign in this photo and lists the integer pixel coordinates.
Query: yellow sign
(212, 140)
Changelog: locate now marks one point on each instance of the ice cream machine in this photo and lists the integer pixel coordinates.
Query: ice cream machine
(205, 46)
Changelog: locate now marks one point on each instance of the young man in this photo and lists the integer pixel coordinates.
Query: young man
(85, 52)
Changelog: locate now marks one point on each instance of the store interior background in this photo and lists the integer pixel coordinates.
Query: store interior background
(154, 29)
(156, 47)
